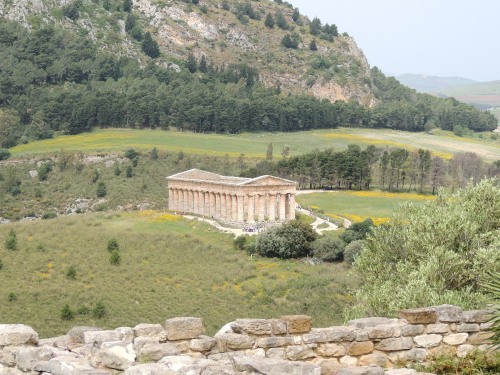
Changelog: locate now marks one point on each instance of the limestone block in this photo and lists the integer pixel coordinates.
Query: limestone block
(298, 323)
(316, 335)
(412, 355)
(463, 350)
(203, 344)
(275, 342)
(371, 370)
(437, 328)
(480, 338)
(348, 361)
(8, 355)
(328, 366)
(341, 334)
(68, 365)
(331, 350)
(255, 365)
(149, 369)
(27, 357)
(259, 352)
(278, 326)
(150, 330)
(401, 371)
(413, 330)
(76, 333)
(467, 327)
(486, 326)
(157, 351)
(17, 334)
(300, 352)
(419, 316)
(252, 326)
(395, 344)
(126, 334)
(380, 332)
(455, 339)
(96, 338)
(359, 348)
(475, 316)
(235, 341)
(182, 346)
(10, 371)
(118, 356)
(370, 322)
(142, 341)
(440, 350)
(183, 328)
(61, 342)
(362, 336)
(187, 365)
(276, 353)
(428, 341)
(448, 313)
(374, 359)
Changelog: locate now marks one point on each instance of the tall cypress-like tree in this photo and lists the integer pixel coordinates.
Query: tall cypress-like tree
(269, 21)
(150, 46)
(191, 63)
(203, 64)
(127, 5)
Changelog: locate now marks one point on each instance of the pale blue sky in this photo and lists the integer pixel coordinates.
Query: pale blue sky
(436, 37)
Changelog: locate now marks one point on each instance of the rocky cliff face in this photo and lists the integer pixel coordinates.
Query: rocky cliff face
(338, 70)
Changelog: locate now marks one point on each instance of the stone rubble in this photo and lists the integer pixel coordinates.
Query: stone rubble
(288, 346)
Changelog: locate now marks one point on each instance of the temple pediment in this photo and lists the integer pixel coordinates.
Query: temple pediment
(268, 181)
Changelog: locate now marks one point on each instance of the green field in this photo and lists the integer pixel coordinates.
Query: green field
(254, 145)
(359, 205)
(169, 267)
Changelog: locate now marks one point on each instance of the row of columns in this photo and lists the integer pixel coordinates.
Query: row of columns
(233, 207)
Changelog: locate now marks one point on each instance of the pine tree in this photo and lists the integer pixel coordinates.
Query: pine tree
(269, 21)
(150, 46)
(191, 63)
(127, 6)
(203, 64)
(295, 15)
(313, 46)
(281, 21)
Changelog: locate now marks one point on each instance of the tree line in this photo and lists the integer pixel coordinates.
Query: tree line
(52, 81)
(393, 169)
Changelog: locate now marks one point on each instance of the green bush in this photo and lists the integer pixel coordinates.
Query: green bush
(357, 231)
(154, 153)
(128, 171)
(99, 310)
(49, 215)
(113, 245)
(291, 240)
(11, 240)
(4, 154)
(131, 154)
(474, 363)
(67, 313)
(11, 297)
(439, 252)
(115, 258)
(492, 288)
(44, 170)
(101, 189)
(352, 251)
(329, 248)
(83, 310)
(1, 263)
(239, 242)
(71, 273)
(118, 171)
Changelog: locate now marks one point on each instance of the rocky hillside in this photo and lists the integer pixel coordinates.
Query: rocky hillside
(225, 32)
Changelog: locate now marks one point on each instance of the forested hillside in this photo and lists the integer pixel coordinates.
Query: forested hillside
(56, 76)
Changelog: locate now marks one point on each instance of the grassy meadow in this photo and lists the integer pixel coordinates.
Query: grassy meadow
(169, 267)
(359, 205)
(254, 145)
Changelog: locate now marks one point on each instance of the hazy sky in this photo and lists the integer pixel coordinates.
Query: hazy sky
(436, 37)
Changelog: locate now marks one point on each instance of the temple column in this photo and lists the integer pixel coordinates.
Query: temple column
(170, 198)
(195, 202)
(217, 205)
(251, 209)
(272, 207)
(211, 204)
(261, 206)
(234, 208)
(282, 209)
(201, 202)
(290, 207)
(181, 200)
(241, 208)
(207, 203)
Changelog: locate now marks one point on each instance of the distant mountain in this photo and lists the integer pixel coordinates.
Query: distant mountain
(433, 84)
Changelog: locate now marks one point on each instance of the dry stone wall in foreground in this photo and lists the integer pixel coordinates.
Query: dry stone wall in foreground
(288, 345)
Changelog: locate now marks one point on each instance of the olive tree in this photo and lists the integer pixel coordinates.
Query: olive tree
(435, 253)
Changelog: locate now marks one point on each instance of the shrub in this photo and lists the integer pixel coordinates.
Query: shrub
(357, 231)
(44, 170)
(67, 313)
(154, 153)
(115, 258)
(49, 215)
(240, 242)
(11, 297)
(113, 245)
(71, 273)
(474, 363)
(11, 240)
(83, 310)
(131, 154)
(101, 189)
(128, 171)
(290, 240)
(118, 171)
(492, 287)
(4, 154)
(135, 161)
(329, 248)
(1, 263)
(71, 10)
(99, 310)
(352, 251)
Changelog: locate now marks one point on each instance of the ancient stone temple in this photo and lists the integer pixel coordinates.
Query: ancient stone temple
(232, 200)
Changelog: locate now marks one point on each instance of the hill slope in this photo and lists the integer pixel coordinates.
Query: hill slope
(433, 84)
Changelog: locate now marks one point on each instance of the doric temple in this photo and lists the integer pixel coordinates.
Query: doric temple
(232, 200)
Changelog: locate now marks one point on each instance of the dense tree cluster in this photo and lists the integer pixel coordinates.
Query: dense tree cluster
(54, 82)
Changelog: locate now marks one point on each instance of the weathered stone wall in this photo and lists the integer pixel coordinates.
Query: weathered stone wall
(288, 345)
